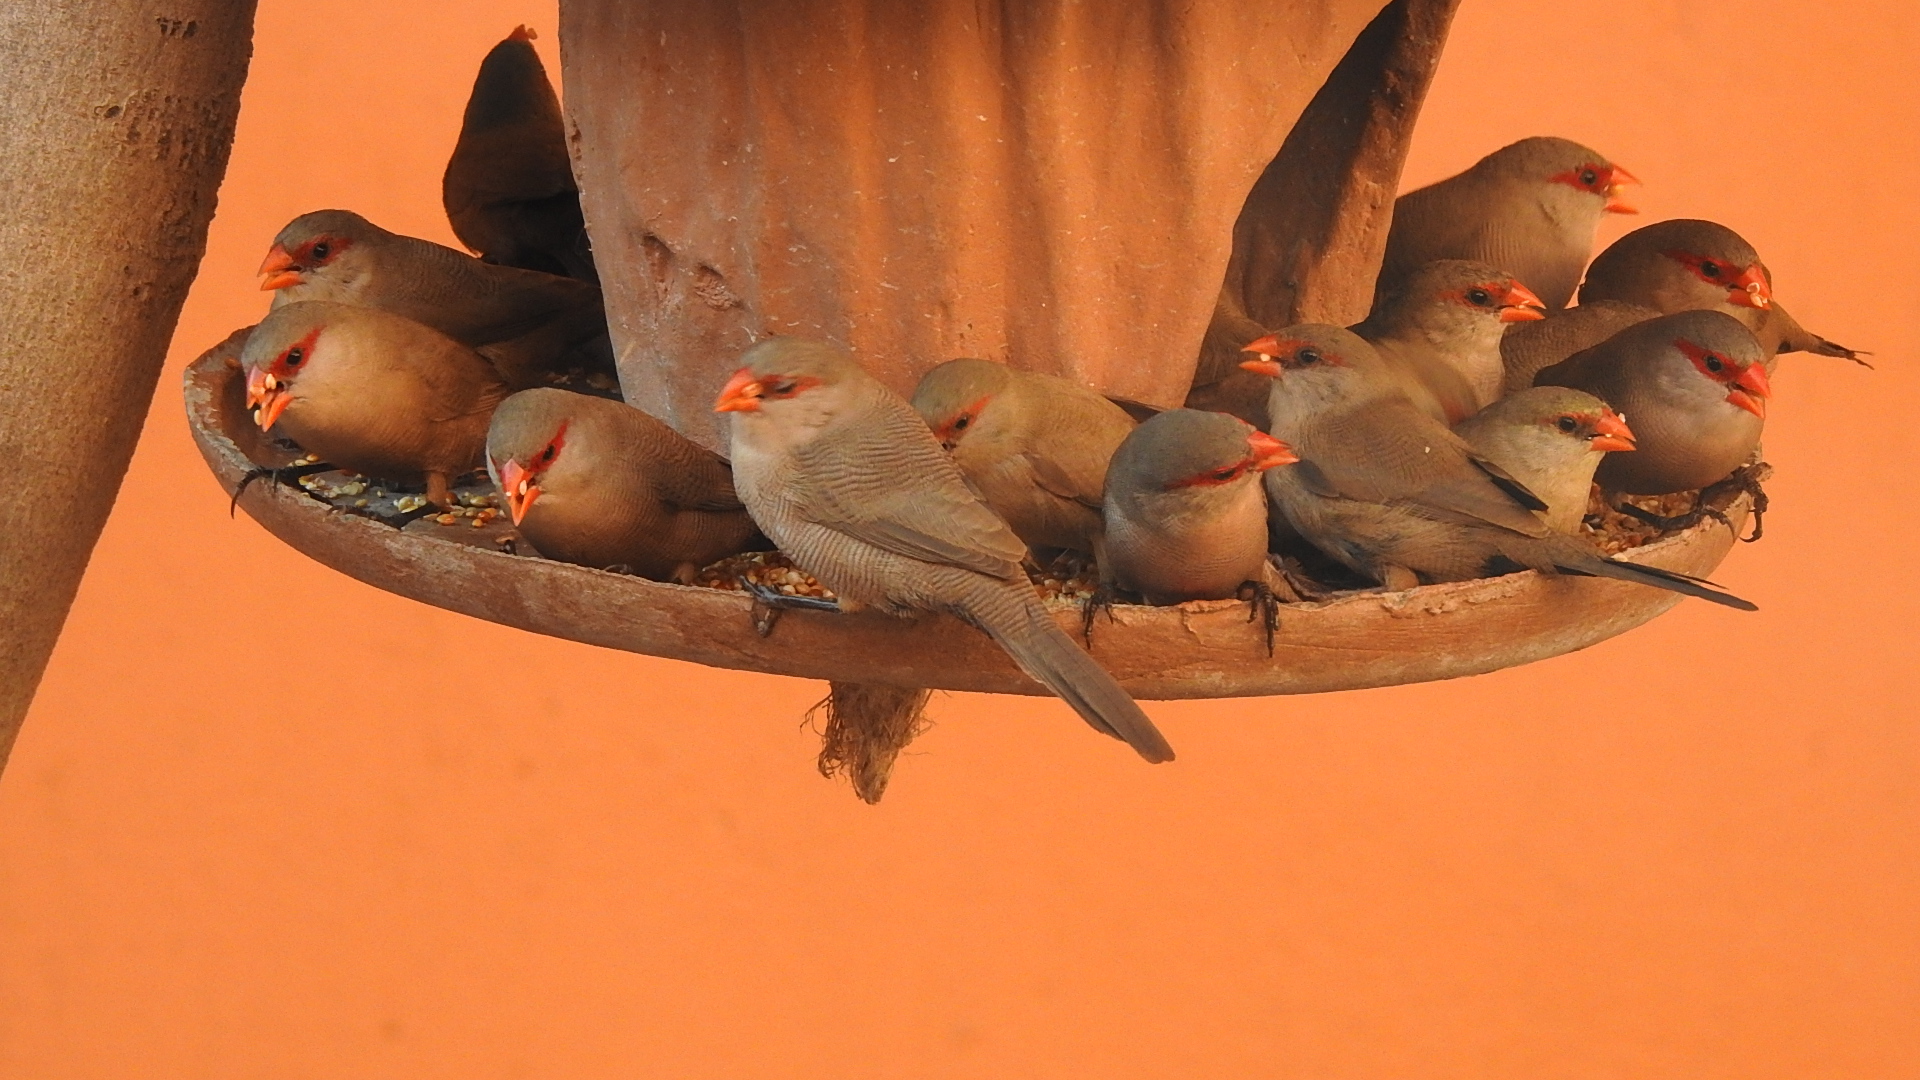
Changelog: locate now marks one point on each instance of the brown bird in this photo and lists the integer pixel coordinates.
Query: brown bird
(1694, 388)
(1550, 438)
(1530, 208)
(848, 480)
(1390, 492)
(602, 484)
(1440, 328)
(509, 189)
(1186, 518)
(529, 324)
(1034, 446)
(372, 392)
(1669, 266)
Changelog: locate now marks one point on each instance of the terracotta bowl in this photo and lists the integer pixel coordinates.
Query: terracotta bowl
(1196, 650)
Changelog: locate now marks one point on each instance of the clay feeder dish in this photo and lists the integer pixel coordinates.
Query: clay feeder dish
(944, 187)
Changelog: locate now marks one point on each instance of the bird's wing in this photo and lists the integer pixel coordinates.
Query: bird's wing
(885, 481)
(1387, 451)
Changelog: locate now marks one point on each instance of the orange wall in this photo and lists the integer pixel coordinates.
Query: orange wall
(267, 822)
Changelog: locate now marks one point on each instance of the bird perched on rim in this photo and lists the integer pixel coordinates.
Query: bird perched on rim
(1440, 330)
(530, 325)
(1666, 267)
(1530, 208)
(846, 478)
(508, 189)
(1186, 517)
(1695, 389)
(1034, 446)
(372, 392)
(1393, 494)
(1550, 438)
(602, 484)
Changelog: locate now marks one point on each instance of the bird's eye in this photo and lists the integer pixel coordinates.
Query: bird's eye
(1589, 177)
(295, 357)
(1710, 268)
(1227, 473)
(1479, 297)
(1566, 424)
(1714, 364)
(321, 250)
(546, 456)
(960, 424)
(779, 387)
(1307, 356)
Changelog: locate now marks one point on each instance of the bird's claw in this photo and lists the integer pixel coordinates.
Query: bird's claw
(1263, 603)
(1100, 600)
(768, 603)
(284, 474)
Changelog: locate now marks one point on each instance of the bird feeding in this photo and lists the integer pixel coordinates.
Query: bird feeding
(1390, 565)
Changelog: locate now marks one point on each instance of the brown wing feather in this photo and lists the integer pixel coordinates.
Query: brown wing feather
(853, 476)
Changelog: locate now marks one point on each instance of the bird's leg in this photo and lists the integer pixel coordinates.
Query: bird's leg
(1100, 600)
(440, 490)
(1745, 480)
(769, 602)
(1263, 603)
(1700, 512)
(286, 474)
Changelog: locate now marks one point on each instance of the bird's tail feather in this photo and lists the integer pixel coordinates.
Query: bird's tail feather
(1671, 580)
(1045, 652)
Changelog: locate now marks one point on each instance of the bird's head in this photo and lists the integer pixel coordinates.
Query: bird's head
(963, 400)
(525, 441)
(278, 353)
(1555, 161)
(325, 243)
(1679, 264)
(1743, 378)
(791, 385)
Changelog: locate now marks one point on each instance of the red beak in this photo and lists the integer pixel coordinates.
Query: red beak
(278, 269)
(1751, 390)
(1269, 451)
(1521, 305)
(267, 394)
(1616, 204)
(741, 394)
(1268, 347)
(1751, 289)
(1611, 433)
(517, 484)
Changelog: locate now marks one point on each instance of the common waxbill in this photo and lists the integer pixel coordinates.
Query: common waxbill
(1393, 494)
(603, 484)
(508, 189)
(372, 392)
(1694, 388)
(1530, 208)
(1439, 330)
(1186, 517)
(1668, 266)
(1034, 446)
(531, 325)
(1550, 438)
(846, 478)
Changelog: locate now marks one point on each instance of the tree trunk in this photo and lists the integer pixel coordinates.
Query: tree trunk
(119, 117)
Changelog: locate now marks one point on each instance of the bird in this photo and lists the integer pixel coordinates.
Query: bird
(845, 477)
(509, 190)
(1550, 439)
(372, 392)
(1662, 268)
(1439, 330)
(1392, 493)
(529, 324)
(1694, 388)
(1186, 517)
(1035, 447)
(602, 484)
(1530, 208)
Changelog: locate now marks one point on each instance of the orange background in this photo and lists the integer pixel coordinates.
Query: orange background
(267, 822)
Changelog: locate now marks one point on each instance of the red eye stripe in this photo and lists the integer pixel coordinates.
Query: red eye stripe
(1602, 178)
(778, 387)
(309, 254)
(283, 367)
(1711, 364)
(963, 420)
(551, 451)
(1226, 474)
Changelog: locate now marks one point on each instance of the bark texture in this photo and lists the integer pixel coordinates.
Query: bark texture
(1052, 183)
(119, 118)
